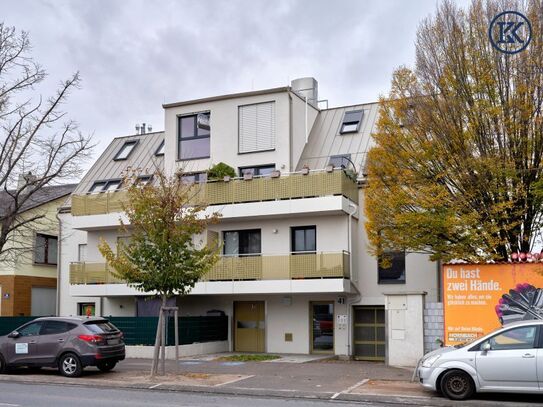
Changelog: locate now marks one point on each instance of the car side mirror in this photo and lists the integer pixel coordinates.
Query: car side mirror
(485, 347)
(14, 334)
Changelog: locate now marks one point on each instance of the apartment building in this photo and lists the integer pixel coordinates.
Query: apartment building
(295, 275)
(28, 267)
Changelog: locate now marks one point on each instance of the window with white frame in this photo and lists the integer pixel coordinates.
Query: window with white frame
(256, 127)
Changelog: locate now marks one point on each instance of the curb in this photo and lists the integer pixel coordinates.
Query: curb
(270, 393)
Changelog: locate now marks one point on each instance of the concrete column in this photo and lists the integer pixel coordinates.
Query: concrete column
(404, 327)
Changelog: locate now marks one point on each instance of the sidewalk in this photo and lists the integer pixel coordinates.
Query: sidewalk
(293, 378)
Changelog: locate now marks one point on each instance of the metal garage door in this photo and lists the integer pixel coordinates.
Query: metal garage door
(43, 301)
(369, 333)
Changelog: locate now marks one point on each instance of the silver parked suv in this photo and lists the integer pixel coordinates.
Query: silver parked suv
(69, 343)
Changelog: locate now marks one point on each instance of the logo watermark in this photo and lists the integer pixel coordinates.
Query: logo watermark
(510, 32)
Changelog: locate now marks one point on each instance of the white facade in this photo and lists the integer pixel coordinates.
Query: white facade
(296, 310)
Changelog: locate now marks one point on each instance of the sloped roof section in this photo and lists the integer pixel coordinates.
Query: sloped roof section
(142, 159)
(325, 139)
(40, 197)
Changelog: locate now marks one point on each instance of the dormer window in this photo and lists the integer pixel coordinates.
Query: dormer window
(125, 150)
(340, 161)
(105, 186)
(351, 121)
(160, 150)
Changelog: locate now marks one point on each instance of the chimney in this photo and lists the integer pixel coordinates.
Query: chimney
(25, 179)
(306, 88)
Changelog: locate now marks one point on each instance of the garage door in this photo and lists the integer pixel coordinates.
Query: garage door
(43, 301)
(369, 333)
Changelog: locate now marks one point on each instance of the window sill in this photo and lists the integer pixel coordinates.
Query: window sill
(257, 151)
(194, 158)
(385, 282)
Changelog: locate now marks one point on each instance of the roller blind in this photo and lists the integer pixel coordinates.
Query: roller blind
(256, 127)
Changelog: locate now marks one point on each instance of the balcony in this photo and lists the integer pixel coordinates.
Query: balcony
(258, 189)
(321, 265)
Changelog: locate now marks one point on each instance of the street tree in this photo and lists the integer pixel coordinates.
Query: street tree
(165, 254)
(459, 142)
(39, 145)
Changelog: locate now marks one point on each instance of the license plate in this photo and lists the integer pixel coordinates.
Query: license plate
(113, 342)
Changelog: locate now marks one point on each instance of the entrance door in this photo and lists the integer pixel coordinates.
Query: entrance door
(249, 332)
(369, 333)
(322, 327)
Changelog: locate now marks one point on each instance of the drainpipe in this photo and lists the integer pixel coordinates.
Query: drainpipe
(306, 134)
(358, 296)
(349, 239)
(59, 248)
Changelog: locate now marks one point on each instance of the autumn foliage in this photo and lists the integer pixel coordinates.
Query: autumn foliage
(459, 142)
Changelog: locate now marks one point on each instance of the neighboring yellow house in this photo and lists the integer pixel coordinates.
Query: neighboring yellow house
(28, 265)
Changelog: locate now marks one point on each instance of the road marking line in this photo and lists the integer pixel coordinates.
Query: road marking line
(234, 381)
(156, 385)
(10, 405)
(348, 390)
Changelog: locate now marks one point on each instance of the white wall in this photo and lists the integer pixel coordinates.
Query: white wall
(405, 329)
(421, 274)
(69, 241)
(331, 232)
(284, 314)
(224, 134)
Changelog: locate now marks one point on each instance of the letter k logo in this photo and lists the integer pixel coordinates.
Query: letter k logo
(508, 32)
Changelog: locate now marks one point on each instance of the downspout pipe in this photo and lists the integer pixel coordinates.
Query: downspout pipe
(59, 264)
(356, 299)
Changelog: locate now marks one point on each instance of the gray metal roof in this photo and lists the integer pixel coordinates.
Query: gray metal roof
(40, 197)
(326, 141)
(141, 159)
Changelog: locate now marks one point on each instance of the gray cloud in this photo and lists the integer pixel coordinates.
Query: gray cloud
(135, 55)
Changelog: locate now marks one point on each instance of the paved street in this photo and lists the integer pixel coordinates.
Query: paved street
(15, 395)
(213, 382)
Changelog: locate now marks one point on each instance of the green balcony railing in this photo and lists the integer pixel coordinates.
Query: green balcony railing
(293, 186)
(230, 268)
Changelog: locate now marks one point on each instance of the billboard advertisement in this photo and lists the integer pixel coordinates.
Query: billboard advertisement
(478, 298)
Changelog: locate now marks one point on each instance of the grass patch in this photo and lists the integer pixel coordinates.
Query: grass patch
(249, 358)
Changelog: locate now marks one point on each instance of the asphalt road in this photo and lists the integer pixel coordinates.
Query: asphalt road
(35, 395)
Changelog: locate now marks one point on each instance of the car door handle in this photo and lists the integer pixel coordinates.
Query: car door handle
(60, 340)
(528, 356)
(32, 342)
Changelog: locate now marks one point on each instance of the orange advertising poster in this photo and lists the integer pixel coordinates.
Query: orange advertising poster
(478, 298)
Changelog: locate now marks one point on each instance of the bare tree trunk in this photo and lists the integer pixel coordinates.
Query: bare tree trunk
(176, 329)
(163, 335)
(154, 368)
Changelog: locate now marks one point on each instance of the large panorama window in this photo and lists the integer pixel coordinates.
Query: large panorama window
(242, 242)
(194, 136)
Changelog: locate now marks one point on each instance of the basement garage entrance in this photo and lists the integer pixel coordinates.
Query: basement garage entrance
(249, 332)
(369, 333)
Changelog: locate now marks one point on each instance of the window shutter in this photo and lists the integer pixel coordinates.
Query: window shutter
(256, 127)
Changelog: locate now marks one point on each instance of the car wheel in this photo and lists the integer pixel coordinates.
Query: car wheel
(2, 365)
(70, 365)
(106, 366)
(457, 385)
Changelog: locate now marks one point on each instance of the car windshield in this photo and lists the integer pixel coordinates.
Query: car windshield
(101, 327)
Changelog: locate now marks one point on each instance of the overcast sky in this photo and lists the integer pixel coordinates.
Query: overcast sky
(135, 55)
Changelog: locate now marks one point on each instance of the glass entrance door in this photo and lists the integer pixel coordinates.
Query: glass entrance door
(322, 327)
